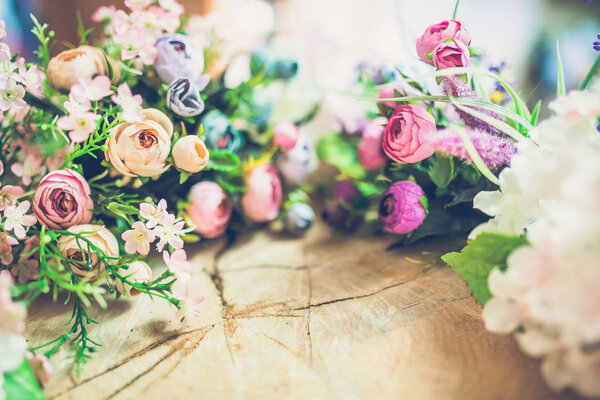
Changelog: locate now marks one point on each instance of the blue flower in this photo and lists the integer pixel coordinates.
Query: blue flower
(220, 134)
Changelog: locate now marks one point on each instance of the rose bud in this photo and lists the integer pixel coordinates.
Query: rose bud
(190, 154)
(220, 134)
(285, 135)
(262, 200)
(296, 164)
(438, 33)
(62, 199)
(83, 259)
(451, 54)
(178, 58)
(299, 218)
(406, 136)
(210, 209)
(337, 214)
(400, 209)
(66, 68)
(141, 149)
(370, 150)
(138, 272)
(183, 98)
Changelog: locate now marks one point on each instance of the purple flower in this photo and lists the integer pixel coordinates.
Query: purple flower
(178, 58)
(400, 209)
(337, 213)
(597, 44)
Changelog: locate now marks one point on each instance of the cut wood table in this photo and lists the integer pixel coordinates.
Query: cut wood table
(324, 317)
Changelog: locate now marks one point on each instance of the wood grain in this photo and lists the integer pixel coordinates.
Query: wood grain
(325, 317)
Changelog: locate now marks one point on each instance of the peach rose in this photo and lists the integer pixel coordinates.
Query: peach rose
(66, 68)
(80, 256)
(190, 154)
(138, 272)
(141, 149)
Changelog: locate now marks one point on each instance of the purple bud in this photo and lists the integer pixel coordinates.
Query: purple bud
(400, 209)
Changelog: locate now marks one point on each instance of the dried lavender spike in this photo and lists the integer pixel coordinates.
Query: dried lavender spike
(495, 151)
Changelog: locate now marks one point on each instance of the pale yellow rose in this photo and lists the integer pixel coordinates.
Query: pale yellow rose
(138, 272)
(190, 154)
(80, 254)
(141, 149)
(65, 69)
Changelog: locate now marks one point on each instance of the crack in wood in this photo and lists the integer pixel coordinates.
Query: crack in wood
(271, 266)
(308, 317)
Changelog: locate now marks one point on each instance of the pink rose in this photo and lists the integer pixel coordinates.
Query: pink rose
(405, 139)
(210, 209)
(285, 135)
(451, 54)
(370, 151)
(262, 200)
(63, 200)
(436, 34)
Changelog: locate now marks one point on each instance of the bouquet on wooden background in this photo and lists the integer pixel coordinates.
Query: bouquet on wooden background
(442, 164)
(133, 145)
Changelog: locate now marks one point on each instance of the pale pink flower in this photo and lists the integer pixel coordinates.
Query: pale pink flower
(130, 104)
(154, 214)
(6, 282)
(91, 89)
(131, 40)
(6, 242)
(138, 239)
(16, 219)
(77, 105)
(31, 166)
(32, 78)
(80, 125)
(41, 368)
(188, 309)
(9, 195)
(26, 269)
(178, 263)
(18, 114)
(11, 94)
(135, 5)
(12, 315)
(7, 67)
(169, 232)
(1, 164)
(171, 6)
(147, 54)
(104, 13)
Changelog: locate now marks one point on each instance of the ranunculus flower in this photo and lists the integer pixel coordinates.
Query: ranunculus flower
(183, 98)
(436, 34)
(451, 54)
(296, 163)
(400, 209)
(66, 68)
(62, 199)
(405, 139)
(210, 209)
(299, 218)
(138, 272)
(337, 214)
(219, 133)
(285, 135)
(370, 150)
(141, 149)
(190, 154)
(84, 261)
(262, 200)
(178, 58)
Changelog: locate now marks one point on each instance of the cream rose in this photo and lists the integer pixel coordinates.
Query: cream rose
(66, 68)
(138, 272)
(190, 154)
(141, 149)
(81, 255)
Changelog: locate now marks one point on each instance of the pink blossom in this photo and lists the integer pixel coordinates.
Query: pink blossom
(11, 94)
(138, 239)
(154, 214)
(6, 242)
(79, 125)
(177, 262)
(188, 309)
(451, 54)
(169, 232)
(32, 78)
(135, 5)
(91, 89)
(406, 136)
(18, 114)
(209, 209)
(104, 13)
(31, 167)
(171, 6)
(132, 41)
(9, 195)
(130, 104)
(1, 164)
(2, 29)
(41, 367)
(26, 269)
(262, 200)
(16, 219)
(7, 67)
(285, 135)
(370, 150)
(438, 33)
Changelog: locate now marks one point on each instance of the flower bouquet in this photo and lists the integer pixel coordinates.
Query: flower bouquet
(110, 148)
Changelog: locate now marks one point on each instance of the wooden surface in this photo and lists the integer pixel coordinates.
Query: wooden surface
(324, 317)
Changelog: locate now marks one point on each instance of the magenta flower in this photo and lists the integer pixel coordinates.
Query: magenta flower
(438, 33)
(138, 239)
(406, 136)
(400, 209)
(16, 219)
(453, 53)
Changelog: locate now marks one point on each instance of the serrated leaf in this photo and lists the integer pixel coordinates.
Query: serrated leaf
(481, 255)
(20, 384)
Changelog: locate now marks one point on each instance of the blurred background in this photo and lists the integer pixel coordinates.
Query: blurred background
(330, 37)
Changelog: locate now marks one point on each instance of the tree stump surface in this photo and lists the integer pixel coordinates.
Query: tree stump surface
(327, 316)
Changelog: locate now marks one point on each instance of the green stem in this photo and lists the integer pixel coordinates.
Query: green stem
(455, 9)
(591, 74)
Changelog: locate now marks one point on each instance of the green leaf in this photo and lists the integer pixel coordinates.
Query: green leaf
(425, 203)
(481, 255)
(338, 151)
(474, 52)
(122, 210)
(536, 113)
(455, 13)
(183, 177)
(369, 189)
(590, 75)
(441, 170)
(561, 89)
(20, 384)
(224, 161)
